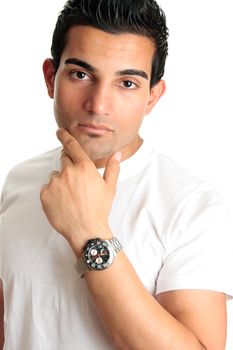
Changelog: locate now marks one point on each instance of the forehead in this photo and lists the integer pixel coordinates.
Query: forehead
(111, 51)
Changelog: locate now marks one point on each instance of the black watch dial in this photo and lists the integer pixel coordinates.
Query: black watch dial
(98, 254)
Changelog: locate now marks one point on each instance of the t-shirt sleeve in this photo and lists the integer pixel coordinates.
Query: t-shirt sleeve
(199, 245)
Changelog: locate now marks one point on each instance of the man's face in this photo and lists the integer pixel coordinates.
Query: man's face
(102, 90)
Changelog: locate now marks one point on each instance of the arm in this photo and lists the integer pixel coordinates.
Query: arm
(208, 307)
(1, 316)
(135, 320)
(79, 200)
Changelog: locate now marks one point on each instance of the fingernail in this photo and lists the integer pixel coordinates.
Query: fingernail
(117, 156)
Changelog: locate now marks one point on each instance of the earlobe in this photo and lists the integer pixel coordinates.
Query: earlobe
(49, 76)
(157, 91)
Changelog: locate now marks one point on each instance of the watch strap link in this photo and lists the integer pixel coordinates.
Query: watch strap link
(115, 243)
(81, 266)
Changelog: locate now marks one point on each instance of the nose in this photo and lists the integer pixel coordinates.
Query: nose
(98, 100)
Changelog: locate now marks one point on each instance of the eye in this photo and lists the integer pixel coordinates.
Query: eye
(128, 84)
(79, 75)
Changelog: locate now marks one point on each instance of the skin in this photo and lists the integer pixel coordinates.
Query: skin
(77, 201)
(170, 322)
(101, 97)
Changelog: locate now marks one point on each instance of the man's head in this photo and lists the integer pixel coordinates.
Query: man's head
(101, 77)
(141, 17)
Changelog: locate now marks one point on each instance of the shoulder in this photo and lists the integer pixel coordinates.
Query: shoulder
(36, 163)
(32, 172)
(176, 196)
(182, 187)
(196, 229)
(171, 184)
(172, 175)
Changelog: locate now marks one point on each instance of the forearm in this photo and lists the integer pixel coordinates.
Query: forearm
(78, 202)
(131, 316)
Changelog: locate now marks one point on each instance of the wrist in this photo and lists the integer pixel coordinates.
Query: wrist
(79, 239)
(98, 255)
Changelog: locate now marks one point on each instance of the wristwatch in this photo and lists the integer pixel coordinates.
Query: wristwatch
(98, 255)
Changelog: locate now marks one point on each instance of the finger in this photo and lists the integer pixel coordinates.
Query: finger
(112, 170)
(71, 146)
(65, 160)
(43, 187)
(53, 174)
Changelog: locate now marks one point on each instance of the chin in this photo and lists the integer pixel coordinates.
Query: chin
(94, 155)
(96, 152)
(95, 147)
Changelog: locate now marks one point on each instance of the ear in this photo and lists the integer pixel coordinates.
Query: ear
(49, 76)
(156, 92)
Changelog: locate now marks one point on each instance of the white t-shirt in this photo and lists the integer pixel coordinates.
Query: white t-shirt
(173, 227)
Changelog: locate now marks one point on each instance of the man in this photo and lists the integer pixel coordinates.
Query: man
(96, 254)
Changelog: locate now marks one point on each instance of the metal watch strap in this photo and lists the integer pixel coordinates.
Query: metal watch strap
(115, 243)
(81, 265)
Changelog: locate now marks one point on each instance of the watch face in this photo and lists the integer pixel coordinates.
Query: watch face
(98, 254)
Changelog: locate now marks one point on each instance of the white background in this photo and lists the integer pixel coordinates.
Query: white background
(193, 122)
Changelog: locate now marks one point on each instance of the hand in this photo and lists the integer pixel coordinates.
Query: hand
(77, 201)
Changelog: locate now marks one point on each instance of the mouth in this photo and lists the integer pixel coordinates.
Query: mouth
(92, 129)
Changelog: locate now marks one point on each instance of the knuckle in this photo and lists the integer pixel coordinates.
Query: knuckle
(54, 180)
(68, 174)
(69, 143)
(53, 174)
(54, 185)
(84, 164)
(67, 170)
(63, 153)
(43, 195)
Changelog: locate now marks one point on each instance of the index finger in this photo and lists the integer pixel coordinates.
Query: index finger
(71, 146)
(65, 159)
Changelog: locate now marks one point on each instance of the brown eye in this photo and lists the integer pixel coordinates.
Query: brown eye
(128, 84)
(79, 75)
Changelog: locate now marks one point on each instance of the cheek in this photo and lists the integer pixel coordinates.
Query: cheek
(137, 102)
(66, 103)
(62, 97)
(132, 112)
(128, 123)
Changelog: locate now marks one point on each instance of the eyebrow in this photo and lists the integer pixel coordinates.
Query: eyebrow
(92, 69)
(81, 63)
(140, 73)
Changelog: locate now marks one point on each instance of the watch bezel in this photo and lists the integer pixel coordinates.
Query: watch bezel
(96, 243)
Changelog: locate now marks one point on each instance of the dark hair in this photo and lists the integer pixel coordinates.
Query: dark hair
(141, 17)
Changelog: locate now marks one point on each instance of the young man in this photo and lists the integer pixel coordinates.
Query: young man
(96, 254)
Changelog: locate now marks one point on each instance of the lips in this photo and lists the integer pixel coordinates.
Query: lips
(95, 127)
(92, 129)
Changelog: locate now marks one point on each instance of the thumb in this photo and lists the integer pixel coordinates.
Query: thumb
(112, 170)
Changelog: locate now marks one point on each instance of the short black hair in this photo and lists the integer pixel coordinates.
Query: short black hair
(141, 17)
